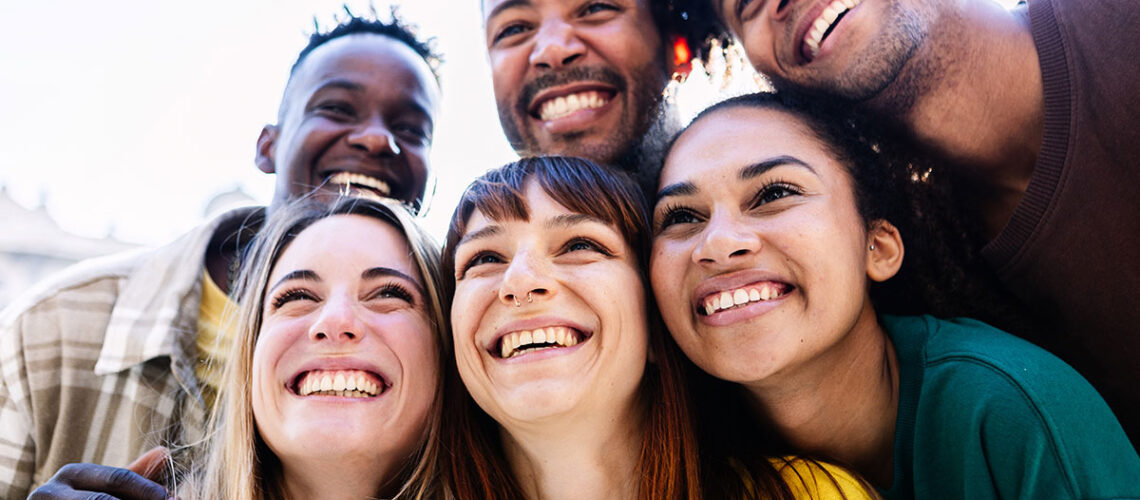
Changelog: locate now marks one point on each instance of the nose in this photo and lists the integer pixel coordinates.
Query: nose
(336, 322)
(726, 237)
(525, 281)
(372, 137)
(556, 44)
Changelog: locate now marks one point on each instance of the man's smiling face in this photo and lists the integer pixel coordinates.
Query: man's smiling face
(855, 49)
(575, 77)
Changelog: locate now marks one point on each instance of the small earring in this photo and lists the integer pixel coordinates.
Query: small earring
(529, 299)
(872, 247)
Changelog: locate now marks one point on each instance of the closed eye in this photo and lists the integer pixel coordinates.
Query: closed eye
(292, 295)
(586, 244)
(395, 291)
(595, 7)
(480, 259)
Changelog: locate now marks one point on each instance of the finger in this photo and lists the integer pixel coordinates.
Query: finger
(151, 464)
(120, 483)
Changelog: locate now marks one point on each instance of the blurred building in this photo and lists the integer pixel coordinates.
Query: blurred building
(32, 245)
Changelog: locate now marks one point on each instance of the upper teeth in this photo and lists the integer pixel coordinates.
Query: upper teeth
(824, 21)
(741, 296)
(345, 383)
(564, 105)
(515, 343)
(349, 179)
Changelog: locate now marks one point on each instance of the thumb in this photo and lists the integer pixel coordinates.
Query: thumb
(151, 464)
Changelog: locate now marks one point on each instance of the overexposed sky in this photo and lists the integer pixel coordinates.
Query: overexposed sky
(125, 117)
(128, 115)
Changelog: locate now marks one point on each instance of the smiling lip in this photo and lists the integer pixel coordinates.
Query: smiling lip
(562, 334)
(565, 101)
(739, 280)
(819, 23)
(339, 378)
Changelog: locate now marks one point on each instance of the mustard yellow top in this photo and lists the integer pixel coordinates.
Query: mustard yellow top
(813, 480)
(213, 345)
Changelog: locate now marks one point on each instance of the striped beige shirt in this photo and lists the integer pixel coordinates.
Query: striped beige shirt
(96, 365)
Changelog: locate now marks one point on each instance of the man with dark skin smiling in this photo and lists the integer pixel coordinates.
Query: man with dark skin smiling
(1035, 111)
(583, 78)
(122, 354)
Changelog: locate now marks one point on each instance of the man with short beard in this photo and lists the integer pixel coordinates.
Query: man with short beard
(1036, 111)
(583, 79)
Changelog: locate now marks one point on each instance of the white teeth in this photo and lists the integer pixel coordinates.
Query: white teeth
(561, 106)
(822, 23)
(348, 180)
(345, 383)
(515, 343)
(729, 299)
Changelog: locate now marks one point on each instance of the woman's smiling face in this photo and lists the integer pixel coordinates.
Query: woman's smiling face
(549, 315)
(346, 363)
(760, 258)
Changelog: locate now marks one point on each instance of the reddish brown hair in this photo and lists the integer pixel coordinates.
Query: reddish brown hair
(475, 467)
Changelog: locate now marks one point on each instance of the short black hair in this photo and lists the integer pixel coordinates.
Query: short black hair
(395, 29)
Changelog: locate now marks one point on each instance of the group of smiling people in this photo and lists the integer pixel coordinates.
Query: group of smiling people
(727, 338)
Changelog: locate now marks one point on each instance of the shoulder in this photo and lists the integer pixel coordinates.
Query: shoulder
(820, 480)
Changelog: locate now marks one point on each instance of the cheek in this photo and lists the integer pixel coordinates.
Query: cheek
(666, 268)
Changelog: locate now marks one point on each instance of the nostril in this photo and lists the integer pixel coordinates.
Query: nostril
(780, 7)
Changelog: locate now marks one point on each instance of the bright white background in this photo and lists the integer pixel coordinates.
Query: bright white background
(125, 116)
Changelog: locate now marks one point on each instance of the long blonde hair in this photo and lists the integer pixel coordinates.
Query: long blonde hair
(233, 462)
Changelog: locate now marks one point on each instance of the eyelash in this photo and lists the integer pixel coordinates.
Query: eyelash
(595, 246)
(670, 216)
(771, 188)
(475, 261)
(396, 291)
(290, 296)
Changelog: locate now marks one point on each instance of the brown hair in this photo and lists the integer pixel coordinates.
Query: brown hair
(235, 463)
(476, 467)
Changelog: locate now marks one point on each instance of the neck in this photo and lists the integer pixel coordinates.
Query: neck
(978, 101)
(335, 480)
(591, 457)
(848, 413)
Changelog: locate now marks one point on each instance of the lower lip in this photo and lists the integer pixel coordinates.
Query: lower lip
(578, 120)
(543, 354)
(745, 313)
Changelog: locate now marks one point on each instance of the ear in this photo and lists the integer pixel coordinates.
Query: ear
(266, 149)
(884, 251)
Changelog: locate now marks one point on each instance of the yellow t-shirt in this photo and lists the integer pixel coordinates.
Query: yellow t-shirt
(813, 480)
(213, 344)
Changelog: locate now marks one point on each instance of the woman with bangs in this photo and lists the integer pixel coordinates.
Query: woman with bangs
(572, 388)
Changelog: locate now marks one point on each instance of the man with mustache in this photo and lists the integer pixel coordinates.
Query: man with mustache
(1036, 110)
(583, 78)
(118, 355)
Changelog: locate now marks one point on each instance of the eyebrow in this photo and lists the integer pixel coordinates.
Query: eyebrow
(568, 220)
(486, 232)
(685, 188)
(340, 83)
(387, 272)
(300, 274)
(509, 4)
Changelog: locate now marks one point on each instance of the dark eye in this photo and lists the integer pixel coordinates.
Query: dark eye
(395, 291)
(585, 244)
(676, 215)
(596, 7)
(335, 110)
(774, 191)
(412, 131)
(292, 295)
(480, 259)
(509, 31)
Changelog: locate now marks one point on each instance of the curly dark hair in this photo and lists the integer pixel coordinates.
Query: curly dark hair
(395, 29)
(942, 273)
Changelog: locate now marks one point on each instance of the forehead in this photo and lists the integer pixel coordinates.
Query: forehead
(355, 241)
(738, 137)
(367, 59)
(489, 7)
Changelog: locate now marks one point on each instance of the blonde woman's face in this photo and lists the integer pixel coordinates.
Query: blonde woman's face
(345, 367)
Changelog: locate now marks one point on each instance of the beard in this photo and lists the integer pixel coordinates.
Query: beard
(888, 77)
(636, 145)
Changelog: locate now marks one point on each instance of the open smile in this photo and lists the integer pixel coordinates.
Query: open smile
(339, 383)
(554, 106)
(523, 342)
(823, 25)
(361, 185)
(725, 300)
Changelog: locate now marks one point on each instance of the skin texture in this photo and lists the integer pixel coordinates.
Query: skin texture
(725, 222)
(565, 270)
(541, 49)
(360, 305)
(361, 103)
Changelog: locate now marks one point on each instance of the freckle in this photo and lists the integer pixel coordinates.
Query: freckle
(801, 341)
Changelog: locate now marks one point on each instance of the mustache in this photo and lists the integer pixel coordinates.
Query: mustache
(574, 74)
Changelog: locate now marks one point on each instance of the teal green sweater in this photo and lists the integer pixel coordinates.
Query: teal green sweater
(983, 414)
